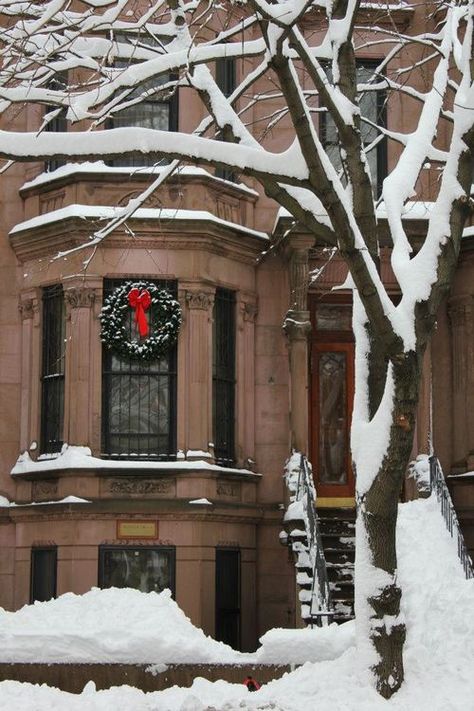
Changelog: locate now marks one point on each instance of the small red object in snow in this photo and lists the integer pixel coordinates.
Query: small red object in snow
(251, 683)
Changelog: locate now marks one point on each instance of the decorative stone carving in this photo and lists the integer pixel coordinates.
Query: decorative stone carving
(297, 325)
(44, 489)
(151, 200)
(79, 297)
(132, 485)
(28, 308)
(199, 300)
(299, 278)
(249, 312)
(228, 488)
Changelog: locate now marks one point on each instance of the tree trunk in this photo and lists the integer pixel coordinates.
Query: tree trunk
(380, 626)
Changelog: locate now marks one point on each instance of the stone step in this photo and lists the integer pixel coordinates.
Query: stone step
(332, 540)
(339, 555)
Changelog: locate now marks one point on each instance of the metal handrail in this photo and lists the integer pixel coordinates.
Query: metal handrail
(321, 608)
(438, 485)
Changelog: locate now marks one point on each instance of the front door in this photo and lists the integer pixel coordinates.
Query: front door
(332, 389)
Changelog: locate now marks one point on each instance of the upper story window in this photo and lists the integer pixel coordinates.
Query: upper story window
(226, 79)
(157, 112)
(52, 369)
(138, 400)
(223, 377)
(373, 107)
(58, 124)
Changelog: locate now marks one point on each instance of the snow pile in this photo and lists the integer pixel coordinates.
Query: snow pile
(122, 626)
(419, 470)
(285, 646)
(437, 603)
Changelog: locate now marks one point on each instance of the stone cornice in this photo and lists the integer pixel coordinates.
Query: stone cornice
(225, 239)
(138, 179)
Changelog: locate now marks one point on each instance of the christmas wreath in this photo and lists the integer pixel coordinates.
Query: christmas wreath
(155, 323)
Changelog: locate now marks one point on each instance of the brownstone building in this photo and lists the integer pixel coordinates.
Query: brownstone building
(175, 466)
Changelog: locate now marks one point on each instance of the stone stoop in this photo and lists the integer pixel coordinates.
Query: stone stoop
(337, 528)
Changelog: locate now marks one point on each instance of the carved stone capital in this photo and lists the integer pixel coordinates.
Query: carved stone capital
(297, 325)
(28, 308)
(249, 312)
(202, 300)
(79, 297)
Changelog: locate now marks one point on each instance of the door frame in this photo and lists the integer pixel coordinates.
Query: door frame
(330, 341)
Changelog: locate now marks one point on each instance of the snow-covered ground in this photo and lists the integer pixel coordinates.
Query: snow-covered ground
(438, 605)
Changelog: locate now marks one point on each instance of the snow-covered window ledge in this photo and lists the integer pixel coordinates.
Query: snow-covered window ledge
(73, 458)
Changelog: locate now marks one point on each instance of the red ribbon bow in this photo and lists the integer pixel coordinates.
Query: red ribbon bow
(140, 301)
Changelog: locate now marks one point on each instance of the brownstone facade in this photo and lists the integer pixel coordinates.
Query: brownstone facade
(208, 237)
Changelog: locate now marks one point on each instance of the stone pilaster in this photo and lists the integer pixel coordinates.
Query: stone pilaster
(30, 313)
(297, 327)
(245, 377)
(198, 343)
(461, 315)
(83, 369)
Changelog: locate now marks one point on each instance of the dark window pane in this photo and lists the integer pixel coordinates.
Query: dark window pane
(226, 79)
(223, 368)
(43, 574)
(332, 418)
(53, 357)
(139, 399)
(157, 113)
(146, 569)
(228, 597)
(372, 107)
(58, 123)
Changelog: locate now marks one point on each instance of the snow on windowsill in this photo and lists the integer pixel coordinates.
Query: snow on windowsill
(99, 166)
(107, 212)
(74, 457)
(4, 503)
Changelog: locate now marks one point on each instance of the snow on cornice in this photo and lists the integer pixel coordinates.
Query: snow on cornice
(106, 212)
(70, 169)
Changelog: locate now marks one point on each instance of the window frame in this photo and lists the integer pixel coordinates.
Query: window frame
(173, 119)
(381, 147)
(107, 373)
(49, 380)
(225, 454)
(42, 549)
(104, 548)
(226, 80)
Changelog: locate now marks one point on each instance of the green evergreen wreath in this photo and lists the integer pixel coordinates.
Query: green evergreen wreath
(164, 318)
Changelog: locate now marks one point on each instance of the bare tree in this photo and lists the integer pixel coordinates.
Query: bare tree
(300, 56)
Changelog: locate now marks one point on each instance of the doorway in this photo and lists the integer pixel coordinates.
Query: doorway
(331, 398)
(228, 596)
(43, 573)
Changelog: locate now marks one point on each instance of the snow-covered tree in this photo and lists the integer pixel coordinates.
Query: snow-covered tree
(298, 62)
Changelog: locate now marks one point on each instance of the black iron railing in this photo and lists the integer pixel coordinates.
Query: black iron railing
(438, 485)
(321, 611)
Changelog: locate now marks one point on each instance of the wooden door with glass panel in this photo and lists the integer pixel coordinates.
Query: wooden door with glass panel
(332, 390)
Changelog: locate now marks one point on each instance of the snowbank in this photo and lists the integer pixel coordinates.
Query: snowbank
(438, 604)
(123, 626)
